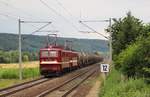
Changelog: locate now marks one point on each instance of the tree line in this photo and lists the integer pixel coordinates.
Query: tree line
(13, 56)
(131, 46)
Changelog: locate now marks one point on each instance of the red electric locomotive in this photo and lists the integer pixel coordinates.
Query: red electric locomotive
(56, 59)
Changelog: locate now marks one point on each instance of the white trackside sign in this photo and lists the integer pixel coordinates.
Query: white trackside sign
(104, 67)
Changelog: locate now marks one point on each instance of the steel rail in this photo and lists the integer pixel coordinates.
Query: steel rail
(62, 84)
(73, 88)
(20, 84)
(13, 89)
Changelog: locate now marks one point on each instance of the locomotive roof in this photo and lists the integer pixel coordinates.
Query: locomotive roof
(51, 47)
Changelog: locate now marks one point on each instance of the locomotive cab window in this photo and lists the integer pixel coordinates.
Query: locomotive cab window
(44, 54)
(53, 53)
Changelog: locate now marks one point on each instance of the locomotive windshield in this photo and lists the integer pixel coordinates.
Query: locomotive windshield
(53, 53)
(49, 53)
(44, 54)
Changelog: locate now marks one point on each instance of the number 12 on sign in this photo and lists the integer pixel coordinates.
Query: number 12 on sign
(104, 67)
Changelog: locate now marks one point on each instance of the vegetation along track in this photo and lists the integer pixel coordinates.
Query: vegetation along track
(15, 88)
(65, 88)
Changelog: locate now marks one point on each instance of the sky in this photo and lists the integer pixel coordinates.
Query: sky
(66, 14)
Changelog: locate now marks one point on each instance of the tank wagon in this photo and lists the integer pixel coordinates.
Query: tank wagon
(54, 60)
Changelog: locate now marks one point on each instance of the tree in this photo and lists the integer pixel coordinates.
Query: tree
(7, 57)
(124, 32)
(1, 56)
(14, 56)
(25, 58)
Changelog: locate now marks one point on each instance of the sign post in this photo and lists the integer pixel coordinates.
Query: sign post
(104, 70)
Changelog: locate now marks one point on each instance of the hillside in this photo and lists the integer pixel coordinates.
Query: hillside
(35, 42)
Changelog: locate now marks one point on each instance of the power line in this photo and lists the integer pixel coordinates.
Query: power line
(50, 8)
(41, 27)
(22, 11)
(59, 3)
(8, 16)
(20, 43)
(109, 38)
(96, 21)
(12, 16)
(29, 22)
(8, 5)
(15, 18)
(92, 29)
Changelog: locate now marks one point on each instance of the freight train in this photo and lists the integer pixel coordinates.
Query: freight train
(54, 60)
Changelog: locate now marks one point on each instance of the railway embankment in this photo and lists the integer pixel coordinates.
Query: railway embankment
(118, 86)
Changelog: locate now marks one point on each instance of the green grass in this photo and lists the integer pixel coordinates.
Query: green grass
(13, 73)
(9, 82)
(115, 87)
(10, 76)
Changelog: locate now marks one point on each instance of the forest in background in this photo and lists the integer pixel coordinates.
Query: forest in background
(31, 45)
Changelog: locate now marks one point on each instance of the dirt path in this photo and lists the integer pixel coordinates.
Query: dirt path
(95, 89)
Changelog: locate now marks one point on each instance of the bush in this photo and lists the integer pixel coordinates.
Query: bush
(31, 72)
(125, 61)
(25, 58)
(134, 61)
(12, 73)
(9, 74)
(13, 56)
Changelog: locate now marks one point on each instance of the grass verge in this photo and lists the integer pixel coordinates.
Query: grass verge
(10, 76)
(13, 73)
(115, 87)
(9, 82)
(31, 64)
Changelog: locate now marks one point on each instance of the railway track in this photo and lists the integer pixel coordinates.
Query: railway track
(65, 88)
(48, 87)
(15, 88)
